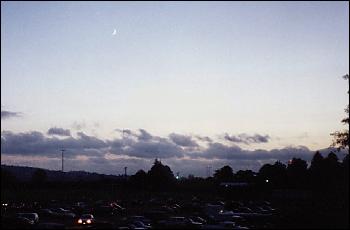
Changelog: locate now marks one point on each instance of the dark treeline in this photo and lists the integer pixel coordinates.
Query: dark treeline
(324, 173)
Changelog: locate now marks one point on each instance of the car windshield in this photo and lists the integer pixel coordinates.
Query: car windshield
(87, 216)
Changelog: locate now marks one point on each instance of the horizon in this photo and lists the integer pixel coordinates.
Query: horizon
(197, 84)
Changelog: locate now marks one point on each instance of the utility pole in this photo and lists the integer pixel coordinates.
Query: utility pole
(62, 150)
(125, 168)
(208, 171)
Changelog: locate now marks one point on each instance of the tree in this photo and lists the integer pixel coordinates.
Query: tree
(161, 176)
(341, 138)
(276, 174)
(317, 170)
(225, 174)
(317, 161)
(332, 167)
(297, 172)
(139, 180)
(244, 176)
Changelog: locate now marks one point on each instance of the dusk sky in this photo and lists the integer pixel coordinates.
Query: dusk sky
(192, 83)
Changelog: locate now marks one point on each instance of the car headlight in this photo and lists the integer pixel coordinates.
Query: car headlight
(80, 221)
(88, 221)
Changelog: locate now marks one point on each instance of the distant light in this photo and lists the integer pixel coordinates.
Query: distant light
(226, 185)
(4, 204)
(80, 221)
(88, 221)
(177, 177)
(221, 211)
(267, 181)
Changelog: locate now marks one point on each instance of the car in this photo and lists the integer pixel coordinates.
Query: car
(139, 225)
(198, 219)
(30, 215)
(86, 219)
(140, 218)
(47, 213)
(63, 212)
(16, 222)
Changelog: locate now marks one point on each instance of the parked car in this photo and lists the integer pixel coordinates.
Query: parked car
(140, 218)
(17, 222)
(139, 225)
(30, 215)
(86, 219)
(63, 212)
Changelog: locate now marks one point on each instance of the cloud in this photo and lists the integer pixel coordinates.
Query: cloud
(221, 151)
(36, 144)
(139, 150)
(126, 133)
(246, 139)
(145, 136)
(182, 140)
(8, 114)
(204, 138)
(58, 131)
(158, 148)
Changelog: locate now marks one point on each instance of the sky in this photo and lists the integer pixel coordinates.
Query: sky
(195, 84)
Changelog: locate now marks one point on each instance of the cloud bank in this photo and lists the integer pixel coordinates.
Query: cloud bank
(58, 131)
(138, 149)
(8, 114)
(246, 139)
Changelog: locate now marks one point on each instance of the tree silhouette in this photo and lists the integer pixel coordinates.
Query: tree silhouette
(341, 138)
(276, 174)
(317, 170)
(224, 174)
(345, 172)
(160, 176)
(140, 179)
(297, 172)
(333, 173)
(317, 161)
(244, 176)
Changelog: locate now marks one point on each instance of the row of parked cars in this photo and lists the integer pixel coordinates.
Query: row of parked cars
(155, 213)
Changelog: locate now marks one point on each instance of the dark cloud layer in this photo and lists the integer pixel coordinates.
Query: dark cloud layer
(58, 131)
(141, 146)
(204, 138)
(246, 139)
(8, 114)
(182, 140)
(36, 144)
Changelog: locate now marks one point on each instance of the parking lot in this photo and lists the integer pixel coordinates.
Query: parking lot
(148, 213)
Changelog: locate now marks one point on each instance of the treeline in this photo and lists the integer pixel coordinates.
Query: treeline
(323, 173)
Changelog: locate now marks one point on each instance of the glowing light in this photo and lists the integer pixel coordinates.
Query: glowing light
(267, 181)
(80, 221)
(88, 221)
